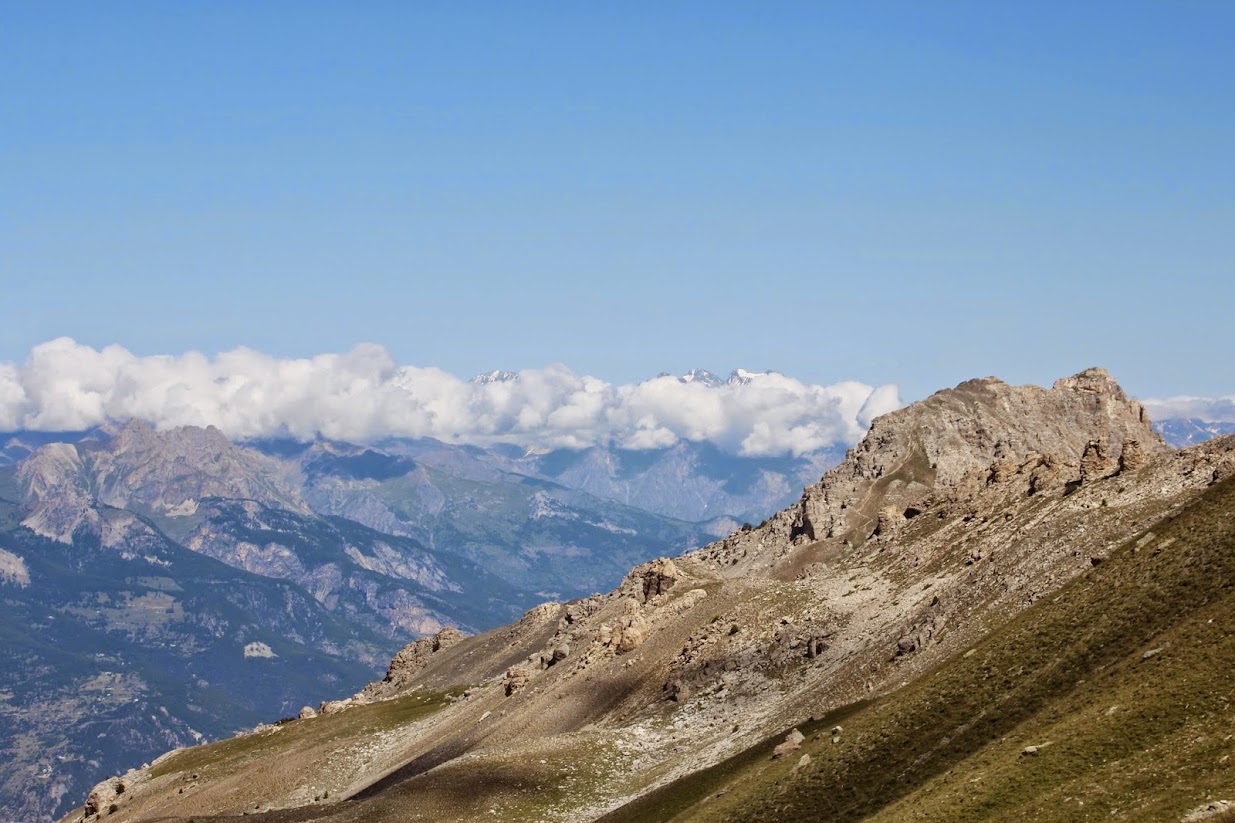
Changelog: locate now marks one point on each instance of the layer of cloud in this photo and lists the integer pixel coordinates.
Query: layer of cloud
(364, 395)
(1208, 409)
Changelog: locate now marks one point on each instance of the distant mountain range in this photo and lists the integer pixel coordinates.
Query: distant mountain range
(1007, 602)
(1182, 432)
(164, 587)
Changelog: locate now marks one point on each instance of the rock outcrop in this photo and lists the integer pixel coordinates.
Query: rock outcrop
(629, 632)
(409, 661)
(958, 441)
(659, 577)
(107, 797)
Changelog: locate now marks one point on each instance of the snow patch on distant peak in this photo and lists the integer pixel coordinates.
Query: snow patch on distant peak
(702, 376)
(742, 377)
(495, 376)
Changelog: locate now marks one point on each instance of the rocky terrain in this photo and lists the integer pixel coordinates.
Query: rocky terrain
(141, 570)
(1006, 602)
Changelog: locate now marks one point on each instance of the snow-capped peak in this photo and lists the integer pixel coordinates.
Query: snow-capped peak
(495, 376)
(700, 376)
(742, 377)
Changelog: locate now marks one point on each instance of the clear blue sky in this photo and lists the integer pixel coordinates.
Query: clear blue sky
(894, 192)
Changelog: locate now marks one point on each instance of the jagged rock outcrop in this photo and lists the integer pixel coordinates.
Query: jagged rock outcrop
(1095, 463)
(630, 630)
(517, 677)
(106, 797)
(958, 441)
(409, 661)
(1133, 456)
(659, 577)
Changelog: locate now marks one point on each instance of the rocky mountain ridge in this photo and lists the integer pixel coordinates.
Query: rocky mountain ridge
(106, 535)
(959, 441)
(951, 520)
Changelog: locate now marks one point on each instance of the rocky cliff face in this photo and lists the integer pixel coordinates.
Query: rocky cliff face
(170, 472)
(954, 444)
(238, 506)
(952, 518)
(145, 471)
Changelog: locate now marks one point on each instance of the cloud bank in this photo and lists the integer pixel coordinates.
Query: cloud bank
(1208, 409)
(364, 395)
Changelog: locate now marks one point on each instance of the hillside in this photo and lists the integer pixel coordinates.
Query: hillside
(991, 569)
(138, 564)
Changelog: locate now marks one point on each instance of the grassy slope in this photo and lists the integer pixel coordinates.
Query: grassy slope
(1121, 736)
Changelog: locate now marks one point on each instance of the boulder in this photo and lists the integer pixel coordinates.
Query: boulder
(1133, 456)
(102, 798)
(889, 518)
(1095, 464)
(659, 577)
(307, 713)
(630, 631)
(106, 796)
(792, 742)
(1209, 811)
(677, 691)
(516, 678)
(336, 706)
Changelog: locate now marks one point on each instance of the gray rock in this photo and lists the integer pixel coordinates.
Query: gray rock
(792, 742)
(517, 677)
(1209, 811)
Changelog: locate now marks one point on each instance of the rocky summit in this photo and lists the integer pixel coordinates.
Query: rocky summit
(1005, 603)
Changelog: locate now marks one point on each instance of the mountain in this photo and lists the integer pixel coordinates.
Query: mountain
(742, 377)
(688, 481)
(1005, 602)
(702, 376)
(17, 446)
(1182, 432)
(175, 550)
(495, 376)
(475, 506)
(124, 643)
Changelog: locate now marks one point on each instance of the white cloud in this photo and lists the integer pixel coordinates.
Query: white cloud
(1209, 409)
(363, 394)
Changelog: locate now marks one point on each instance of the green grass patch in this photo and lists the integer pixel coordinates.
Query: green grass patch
(1120, 735)
(226, 756)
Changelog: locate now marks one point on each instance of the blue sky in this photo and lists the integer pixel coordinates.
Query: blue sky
(914, 193)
